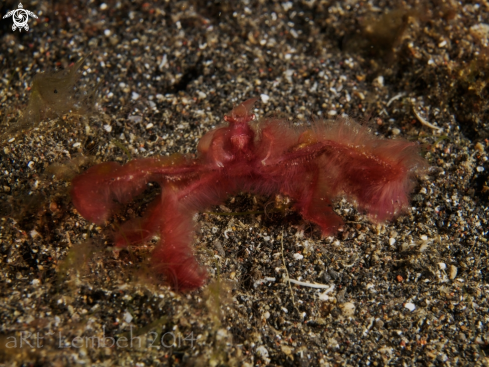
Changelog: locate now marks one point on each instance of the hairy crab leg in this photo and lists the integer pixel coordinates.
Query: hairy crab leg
(196, 196)
(94, 192)
(378, 178)
(312, 201)
(173, 257)
(139, 230)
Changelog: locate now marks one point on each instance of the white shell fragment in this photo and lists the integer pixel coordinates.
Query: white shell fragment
(410, 306)
(264, 98)
(127, 317)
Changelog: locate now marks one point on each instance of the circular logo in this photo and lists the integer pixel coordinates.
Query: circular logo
(20, 17)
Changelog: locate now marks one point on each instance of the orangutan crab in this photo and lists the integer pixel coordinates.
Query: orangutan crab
(311, 165)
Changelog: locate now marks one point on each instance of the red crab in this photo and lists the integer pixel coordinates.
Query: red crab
(312, 165)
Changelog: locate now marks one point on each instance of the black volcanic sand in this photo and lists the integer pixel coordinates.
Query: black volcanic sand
(157, 75)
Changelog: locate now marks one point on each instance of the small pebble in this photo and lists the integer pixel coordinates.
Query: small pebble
(127, 317)
(379, 81)
(261, 351)
(410, 306)
(298, 256)
(348, 308)
(453, 272)
(136, 119)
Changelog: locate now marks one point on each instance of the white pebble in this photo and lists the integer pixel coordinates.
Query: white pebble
(392, 241)
(127, 317)
(135, 96)
(149, 126)
(410, 306)
(298, 256)
(30, 165)
(107, 32)
(442, 266)
(287, 5)
(480, 168)
(103, 6)
(108, 128)
(264, 98)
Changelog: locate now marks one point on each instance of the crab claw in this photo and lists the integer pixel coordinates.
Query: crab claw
(241, 114)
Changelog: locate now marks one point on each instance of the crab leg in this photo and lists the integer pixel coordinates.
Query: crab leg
(95, 191)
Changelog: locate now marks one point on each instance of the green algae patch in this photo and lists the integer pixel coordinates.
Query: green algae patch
(53, 94)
